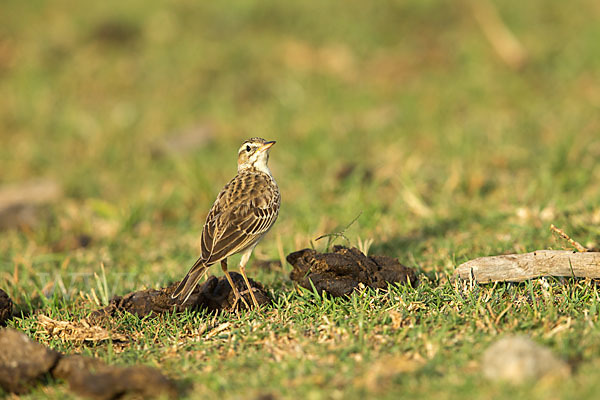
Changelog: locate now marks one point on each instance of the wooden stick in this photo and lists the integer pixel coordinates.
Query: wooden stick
(520, 267)
(572, 242)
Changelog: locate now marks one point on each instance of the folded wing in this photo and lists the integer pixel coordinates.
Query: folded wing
(244, 211)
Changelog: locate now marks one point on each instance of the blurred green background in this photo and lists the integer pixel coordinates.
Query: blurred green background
(410, 93)
(405, 111)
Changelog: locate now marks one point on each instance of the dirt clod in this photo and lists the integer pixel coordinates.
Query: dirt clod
(22, 361)
(115, 32)
(340, 272)
(267, 265)
(20, 204)
(6, 307)
(184, 142)
(68, 365)
(90, 377)
(213, 295)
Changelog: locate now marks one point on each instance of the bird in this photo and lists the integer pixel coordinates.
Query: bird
(243, 212)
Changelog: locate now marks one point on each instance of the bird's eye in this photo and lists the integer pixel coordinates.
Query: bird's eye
(248, 148)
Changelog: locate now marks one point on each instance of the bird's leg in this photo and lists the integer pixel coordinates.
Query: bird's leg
(243, 262)
(233, 287)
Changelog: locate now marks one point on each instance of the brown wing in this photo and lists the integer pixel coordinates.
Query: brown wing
(243, 212)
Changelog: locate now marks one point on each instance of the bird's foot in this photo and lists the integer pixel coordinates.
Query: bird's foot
(236, 302)
(251, 291)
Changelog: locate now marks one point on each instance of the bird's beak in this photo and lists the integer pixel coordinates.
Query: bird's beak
(266, 146)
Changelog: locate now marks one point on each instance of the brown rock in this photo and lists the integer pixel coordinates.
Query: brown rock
(518, 360)
(340, 272)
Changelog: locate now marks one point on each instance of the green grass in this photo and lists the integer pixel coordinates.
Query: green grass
(455, 156)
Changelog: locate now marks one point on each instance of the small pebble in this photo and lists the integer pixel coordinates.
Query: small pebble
(518, 359)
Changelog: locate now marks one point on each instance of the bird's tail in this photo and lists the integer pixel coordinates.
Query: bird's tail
(187, 285)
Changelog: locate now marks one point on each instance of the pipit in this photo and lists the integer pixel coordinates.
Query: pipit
(242, 214)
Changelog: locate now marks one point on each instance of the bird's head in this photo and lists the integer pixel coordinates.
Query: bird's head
(254, 153)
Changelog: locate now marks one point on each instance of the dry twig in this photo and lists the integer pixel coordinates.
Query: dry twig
(580, 248)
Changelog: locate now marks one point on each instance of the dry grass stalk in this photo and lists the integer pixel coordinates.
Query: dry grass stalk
(78, 331)
(505, 43)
